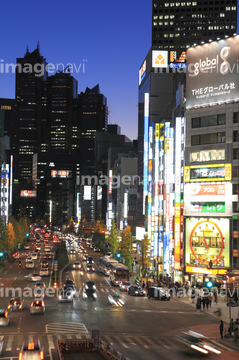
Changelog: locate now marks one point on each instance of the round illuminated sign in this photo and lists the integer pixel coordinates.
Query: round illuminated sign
(205, 228)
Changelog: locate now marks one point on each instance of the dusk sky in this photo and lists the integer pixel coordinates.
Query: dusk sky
(111, 38)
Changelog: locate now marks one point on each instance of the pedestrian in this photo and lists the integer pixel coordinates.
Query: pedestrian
(235, 330)
(207, 302)
(221, 327)
(143, 285)
(210, 299)
(215, 295)
(204, 302)
(198, 305)
(231, 326)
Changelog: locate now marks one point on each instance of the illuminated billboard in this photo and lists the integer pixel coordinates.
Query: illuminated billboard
(198, 173)
(198, 190)
(212, 73)
(208, 240)
(146, 148)
(87, 192)
(159, 59)
(28, 193)
(142, 72)
(61, 174)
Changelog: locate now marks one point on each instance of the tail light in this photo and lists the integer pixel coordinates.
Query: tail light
(6, 314)
(9, 306)
(20, 356)
(42, 355)
(15, 302)
(20, 306)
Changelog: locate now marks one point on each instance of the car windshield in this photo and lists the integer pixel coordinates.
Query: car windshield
(2, 315)
(90, 283)
(37, 303)
(15, 300)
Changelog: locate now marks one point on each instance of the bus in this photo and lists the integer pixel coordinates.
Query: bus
(104, 264)
(118, 272)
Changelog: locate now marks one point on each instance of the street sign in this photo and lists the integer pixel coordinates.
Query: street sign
(55, 261)
(55, 265)
(233, 304)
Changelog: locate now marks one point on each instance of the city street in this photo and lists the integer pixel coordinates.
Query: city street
(141, 329)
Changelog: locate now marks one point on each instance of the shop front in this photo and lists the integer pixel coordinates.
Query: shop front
(201, 276)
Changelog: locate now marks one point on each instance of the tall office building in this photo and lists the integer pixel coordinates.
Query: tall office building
(62, 123)
(178, 23)
(30, 124)
(93, 116)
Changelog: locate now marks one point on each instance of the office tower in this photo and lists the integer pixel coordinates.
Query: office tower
(93, 116)
(62, 123)
(30, 123)
(178, 23)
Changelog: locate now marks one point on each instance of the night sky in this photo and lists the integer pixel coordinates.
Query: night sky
(111, 39)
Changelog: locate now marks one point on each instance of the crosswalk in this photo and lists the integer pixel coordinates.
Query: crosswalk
(67, 328)
(122, 342)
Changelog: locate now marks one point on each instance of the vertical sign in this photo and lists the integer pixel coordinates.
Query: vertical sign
(177, 192)
(4, 191)
(110, 182)
(146, 147)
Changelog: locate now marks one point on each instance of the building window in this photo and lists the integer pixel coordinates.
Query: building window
(211, 120)
(234, 189)
(204, 139)
(235, 136)
(236, 117)
(235, 154)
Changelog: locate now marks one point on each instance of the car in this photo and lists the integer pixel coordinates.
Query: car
(44, 263)
(124, 285)
(30, 265)
(37, 307)
(26, 247)
(28, 258)
(158, 293)
(15, 304)
(136, 290)
(47, 257)
(65, 296)
(16, 255)
(33, 277)
(72, 251)
(115, 299)
(90, 260)
(31, 350)
(44, 271)
(70, 288)
(69, 282)
(90, 285)
(90, 267)
(76, 265)
(4, 317)
(39, 290)
(96, 249)
(85, 257)
(195, 343)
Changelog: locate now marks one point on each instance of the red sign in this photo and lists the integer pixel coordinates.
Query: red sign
(235, 252)
(110, 185)
(28, 193)
(235, 234)
(207, 190)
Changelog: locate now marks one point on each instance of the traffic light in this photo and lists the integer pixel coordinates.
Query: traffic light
(27, 234)
(118, 255)
(209, 284)
(1, 254)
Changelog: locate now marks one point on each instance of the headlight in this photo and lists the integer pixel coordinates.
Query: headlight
(94, 287)
(86, 286)
(60, 296)
(69, 296)
(136, 292)
(73, 265)
(95, 295)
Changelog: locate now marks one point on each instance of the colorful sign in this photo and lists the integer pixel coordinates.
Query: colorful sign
(146, 148)
(198, 173)
(159, 59)
(142, 72)
(235, 252)
(201, 270)
(209, 207)
(208, 240)
(212, 73)
(235, 234)
(197, 190)
(61, 173)
(28, 193)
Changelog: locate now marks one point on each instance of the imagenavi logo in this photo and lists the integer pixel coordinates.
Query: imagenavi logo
(207, 65)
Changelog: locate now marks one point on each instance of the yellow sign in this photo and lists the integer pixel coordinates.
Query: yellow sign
(216, 172)
(199, 270)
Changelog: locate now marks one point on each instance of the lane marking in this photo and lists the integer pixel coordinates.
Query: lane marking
(9, 343)
(109, 340)
(121, 342)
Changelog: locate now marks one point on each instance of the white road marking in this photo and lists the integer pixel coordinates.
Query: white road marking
(121, 342)
(9, 343)
(109, 340)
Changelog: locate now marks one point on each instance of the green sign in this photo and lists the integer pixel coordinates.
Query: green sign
(235, 216)
(209, 207)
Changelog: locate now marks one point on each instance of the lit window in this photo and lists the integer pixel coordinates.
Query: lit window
(189, 4)
(228, 8)
(171, 22)
(165, 35)
(194, 3)
(166, 4)
(161, 17)
(171, 35)
(177, 4)
(166, 23)
(155, 24)
(171, 16)
(222, 15)
(155, 17)
(160, 23)
(166, 17)
(172, 4)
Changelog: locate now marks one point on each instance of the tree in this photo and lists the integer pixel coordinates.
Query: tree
(10, 237)
(100, 227)
(113, 238)
(2, 236)
(144, 258)
(71, 226)
(126, 245)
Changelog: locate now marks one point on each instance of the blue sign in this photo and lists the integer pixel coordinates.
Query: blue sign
(179, 94)
(56, 262)
(233, 304)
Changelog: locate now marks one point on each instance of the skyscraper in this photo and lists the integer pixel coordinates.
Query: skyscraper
(178, 23)
(31, 76)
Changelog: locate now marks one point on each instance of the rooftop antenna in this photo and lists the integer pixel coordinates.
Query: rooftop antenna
(27, 49)
(38, 46)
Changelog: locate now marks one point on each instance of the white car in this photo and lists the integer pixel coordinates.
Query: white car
(33, 277)
(115, 299)
(31, 350)
(34, 256)
(30, 265)
(44, 272)
(26, 247)
(76, 265)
